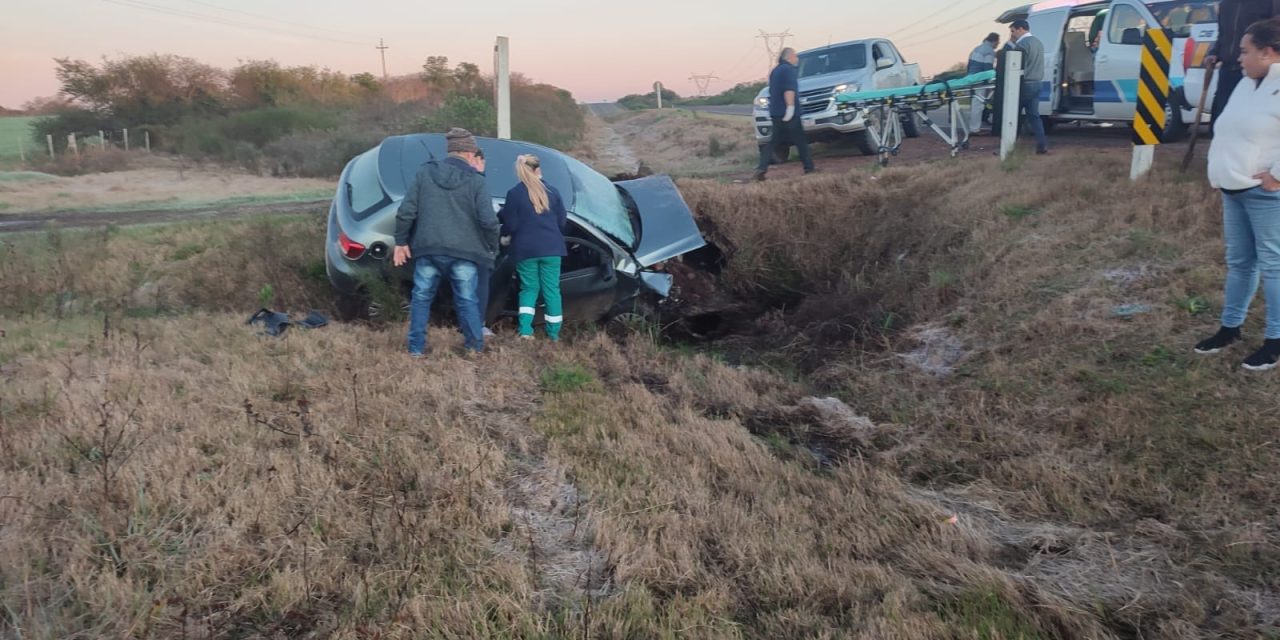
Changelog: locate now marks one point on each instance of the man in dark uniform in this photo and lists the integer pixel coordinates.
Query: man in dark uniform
(1234, 16)
(784, 108)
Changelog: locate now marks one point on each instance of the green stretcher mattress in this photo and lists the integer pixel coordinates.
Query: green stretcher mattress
(977, 79)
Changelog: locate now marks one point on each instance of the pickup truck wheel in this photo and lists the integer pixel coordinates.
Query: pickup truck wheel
(780, 154)
(910, 126)
(866, 146)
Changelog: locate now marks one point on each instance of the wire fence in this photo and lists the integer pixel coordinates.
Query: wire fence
(18, 143)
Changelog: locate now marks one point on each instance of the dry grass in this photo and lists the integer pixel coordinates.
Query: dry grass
(1072, 475)
(671, 141)
(162, 184)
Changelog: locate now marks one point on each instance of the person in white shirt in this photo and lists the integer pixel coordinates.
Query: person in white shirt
(1244, 162)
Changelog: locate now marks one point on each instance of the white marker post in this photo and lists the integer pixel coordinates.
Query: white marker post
(1010, 115)
(71, 144)
(502, 85)
(49, 139)
(657, 90)
(102, 140)
(146, 138)
(126, 139)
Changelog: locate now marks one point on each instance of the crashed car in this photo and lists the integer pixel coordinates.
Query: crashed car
(618, 237)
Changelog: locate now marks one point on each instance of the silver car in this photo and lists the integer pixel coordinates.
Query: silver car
(619, 235)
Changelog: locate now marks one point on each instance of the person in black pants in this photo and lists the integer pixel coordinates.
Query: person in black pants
(1234, 17)
(784, 92)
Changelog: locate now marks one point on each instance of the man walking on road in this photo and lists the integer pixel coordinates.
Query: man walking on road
(447, 226)
(983, 58)
(1234, 17)
(784, 111)
(1032, 75)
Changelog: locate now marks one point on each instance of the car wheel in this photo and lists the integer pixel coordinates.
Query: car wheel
(780, 154)
(352, 307)
(865, 145)
(1174, 128)
(631, 316)
(910, 125)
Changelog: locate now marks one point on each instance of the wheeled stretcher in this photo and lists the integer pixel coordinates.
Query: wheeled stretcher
(883, 110)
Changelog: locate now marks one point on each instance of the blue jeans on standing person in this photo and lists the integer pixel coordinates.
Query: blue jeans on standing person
(427, 271)
(1251, 227)
(1029, 103)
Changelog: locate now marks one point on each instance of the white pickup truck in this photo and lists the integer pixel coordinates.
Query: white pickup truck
(858, 65)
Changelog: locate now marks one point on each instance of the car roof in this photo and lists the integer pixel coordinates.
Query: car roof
(401, 157)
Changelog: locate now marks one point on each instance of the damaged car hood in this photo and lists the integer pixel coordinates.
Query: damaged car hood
(667, 228)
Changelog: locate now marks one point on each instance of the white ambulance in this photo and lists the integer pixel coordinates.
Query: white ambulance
(1093, 54)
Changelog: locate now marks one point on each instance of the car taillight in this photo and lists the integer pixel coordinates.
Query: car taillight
(1188, 54)
(351, 249)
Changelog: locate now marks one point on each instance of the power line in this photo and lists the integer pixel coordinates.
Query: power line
(949, 33)
(769, 48)
(205, 18)
(918, 34)
(703, 81)
(267, 18)
(921, 21)
(382, 48)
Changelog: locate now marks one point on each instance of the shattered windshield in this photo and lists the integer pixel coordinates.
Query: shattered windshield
(597, 201)
(833, 59)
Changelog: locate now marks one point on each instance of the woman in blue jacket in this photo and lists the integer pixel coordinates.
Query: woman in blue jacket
(534, 218)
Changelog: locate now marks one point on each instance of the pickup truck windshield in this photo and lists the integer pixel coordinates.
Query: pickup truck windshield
(832, 59)
(1178, 16)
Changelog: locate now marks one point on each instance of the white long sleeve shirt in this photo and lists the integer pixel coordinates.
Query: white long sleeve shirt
(1246, 139)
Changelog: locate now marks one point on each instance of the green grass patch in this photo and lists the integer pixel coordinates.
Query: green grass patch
(566, 378)
(1017, 212)
(12, 130)
(987, 616)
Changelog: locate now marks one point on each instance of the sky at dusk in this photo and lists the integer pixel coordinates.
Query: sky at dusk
(598, 50)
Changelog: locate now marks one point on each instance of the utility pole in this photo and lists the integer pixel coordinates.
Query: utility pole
(772, 50)
(382, 48)
(703, 81)
(502, 85)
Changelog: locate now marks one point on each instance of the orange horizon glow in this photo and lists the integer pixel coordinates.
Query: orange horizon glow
(599, 52)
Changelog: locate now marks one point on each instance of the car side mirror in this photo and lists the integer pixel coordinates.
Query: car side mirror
(1131, 36)
(883, 63)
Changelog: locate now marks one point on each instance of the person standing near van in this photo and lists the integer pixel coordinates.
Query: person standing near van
(1032, 75)
(534, 217)
(1234, 16)
(982, 58)
(784, 111)
(1244, 162)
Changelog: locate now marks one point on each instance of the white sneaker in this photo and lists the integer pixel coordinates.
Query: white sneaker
(486, 332)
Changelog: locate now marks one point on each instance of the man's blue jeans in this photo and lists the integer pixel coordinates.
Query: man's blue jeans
(463, 275)
(1251, 227)
(1029, 101)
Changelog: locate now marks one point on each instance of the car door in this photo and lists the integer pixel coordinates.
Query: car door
(890, 76)
(588, 282)
(1049, 26)
(1119, 60)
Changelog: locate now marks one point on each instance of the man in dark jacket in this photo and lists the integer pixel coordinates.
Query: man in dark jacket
(1234, 16)
(784, 111)
(447, 226)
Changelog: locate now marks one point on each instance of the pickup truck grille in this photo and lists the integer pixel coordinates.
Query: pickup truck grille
(815, 100)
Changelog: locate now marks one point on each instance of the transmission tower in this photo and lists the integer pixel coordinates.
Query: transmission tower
(774, 43)
(704, 80)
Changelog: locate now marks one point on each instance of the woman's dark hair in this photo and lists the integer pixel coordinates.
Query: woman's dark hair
(1265, 34)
